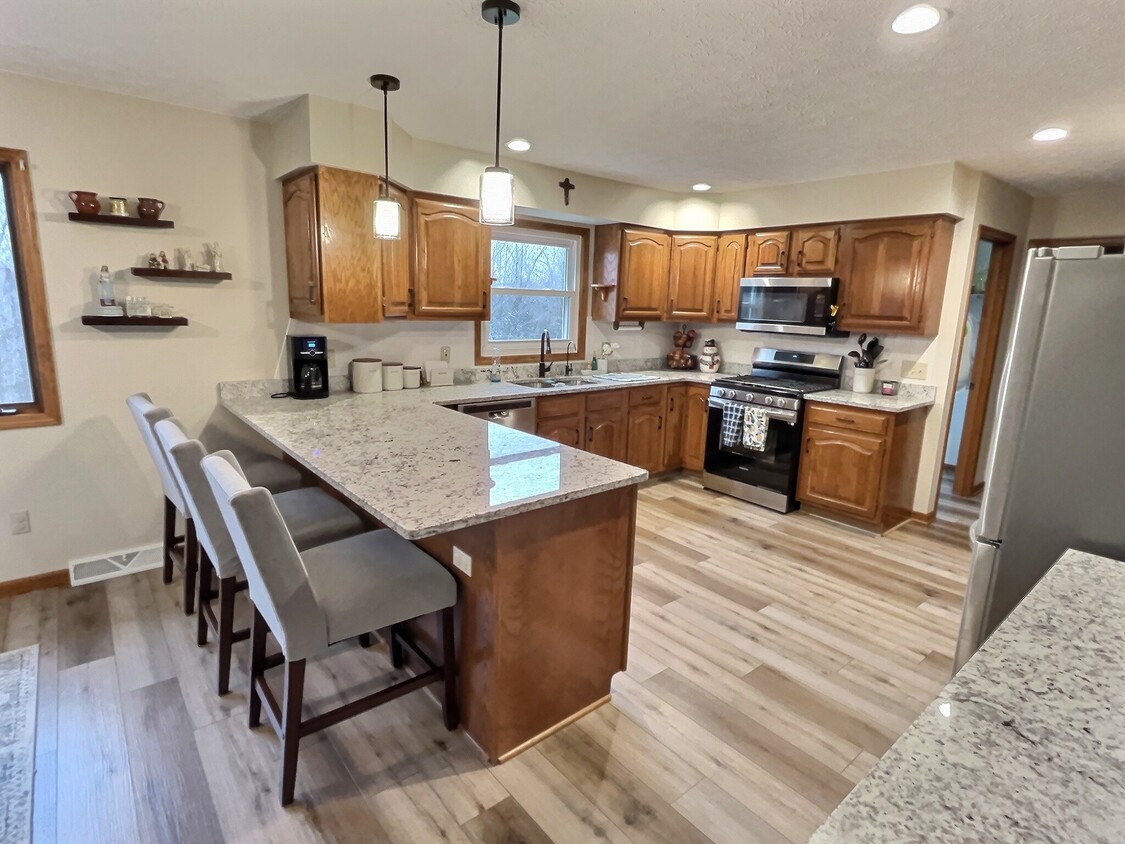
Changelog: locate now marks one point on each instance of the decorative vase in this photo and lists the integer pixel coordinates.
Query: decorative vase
(148, 208)
(85, 201)
(709, 359)
(863, 381)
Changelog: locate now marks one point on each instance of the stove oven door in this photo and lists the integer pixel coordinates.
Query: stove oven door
(767, 477)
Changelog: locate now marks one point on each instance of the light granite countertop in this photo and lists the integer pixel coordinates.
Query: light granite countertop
(910, 397)
(1027, 742)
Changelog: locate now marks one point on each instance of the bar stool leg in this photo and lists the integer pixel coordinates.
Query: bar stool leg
(396, 647)
(169, 537)
(257, 667)
(365, 640)
(449, 708)
(191, 565)
(204, 600)
(291, 727)
(226, 632)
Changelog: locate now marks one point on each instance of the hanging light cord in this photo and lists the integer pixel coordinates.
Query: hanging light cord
(499, 77)
(386, 148)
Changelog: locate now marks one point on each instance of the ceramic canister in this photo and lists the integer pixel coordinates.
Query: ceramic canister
(412, 377)
(392, 376)
(367, 375)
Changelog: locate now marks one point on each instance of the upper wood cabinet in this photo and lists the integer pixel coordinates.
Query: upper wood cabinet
(396, 260)
(730, 262)
(453, 261)
(893, 273)
(691, 277)
(302, 246)
(631, 271)
(813, 252)
(767, 253)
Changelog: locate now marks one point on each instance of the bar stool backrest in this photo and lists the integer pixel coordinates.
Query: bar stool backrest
(146, 415)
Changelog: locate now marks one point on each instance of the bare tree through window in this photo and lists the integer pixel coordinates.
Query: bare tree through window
(16, 385)
(534, 289)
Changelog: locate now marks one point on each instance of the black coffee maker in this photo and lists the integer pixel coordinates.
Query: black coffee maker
(309, 367)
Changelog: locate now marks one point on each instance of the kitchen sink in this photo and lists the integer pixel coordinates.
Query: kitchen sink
(550, 383)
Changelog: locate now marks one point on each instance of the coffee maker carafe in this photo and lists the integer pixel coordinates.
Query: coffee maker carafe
(309, 367)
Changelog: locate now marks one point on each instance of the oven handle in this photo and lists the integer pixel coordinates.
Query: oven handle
(789, 416)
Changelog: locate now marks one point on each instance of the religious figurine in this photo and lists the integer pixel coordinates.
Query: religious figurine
(154, 263)
(105, 287)
(164, 262)
(216, 256)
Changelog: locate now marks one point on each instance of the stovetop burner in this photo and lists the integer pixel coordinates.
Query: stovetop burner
(780, 386)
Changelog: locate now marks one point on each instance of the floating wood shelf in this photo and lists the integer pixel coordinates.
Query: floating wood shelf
(182, 275)
(116, 220)
(138, 321)
(603, 289)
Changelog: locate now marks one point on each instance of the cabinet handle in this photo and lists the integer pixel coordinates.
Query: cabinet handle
(484, 299)
(801, 258)
(808, 443)
(312, 297)
(671, 305)
(577, 437)
(718, 306)
(671, 404)
(660, 423)
(784, 252)
(589, 436)
(845, 420)
(625, 303)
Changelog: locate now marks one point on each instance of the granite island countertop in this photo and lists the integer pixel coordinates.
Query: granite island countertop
(1027, 742)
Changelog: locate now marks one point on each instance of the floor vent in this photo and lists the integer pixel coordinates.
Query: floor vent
(115, 565)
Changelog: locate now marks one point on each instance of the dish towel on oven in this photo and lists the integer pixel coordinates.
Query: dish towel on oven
(732, 430)
(755, 425)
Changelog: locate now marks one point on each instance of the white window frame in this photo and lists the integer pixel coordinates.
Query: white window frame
(573, 245)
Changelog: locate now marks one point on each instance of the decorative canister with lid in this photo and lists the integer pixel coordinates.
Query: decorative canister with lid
(709, 358)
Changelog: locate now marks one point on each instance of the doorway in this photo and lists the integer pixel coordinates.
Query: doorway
(980, 340)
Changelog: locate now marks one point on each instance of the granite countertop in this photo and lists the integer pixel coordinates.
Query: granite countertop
(423, 469)
(1027, 742)
(910, 397)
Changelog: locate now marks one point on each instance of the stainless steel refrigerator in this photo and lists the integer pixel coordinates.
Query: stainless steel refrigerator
(1056, 471)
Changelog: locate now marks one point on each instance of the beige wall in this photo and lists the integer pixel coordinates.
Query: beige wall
(1091, 213)
(88, 484)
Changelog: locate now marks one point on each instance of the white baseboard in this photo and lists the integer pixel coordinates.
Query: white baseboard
(117, 564)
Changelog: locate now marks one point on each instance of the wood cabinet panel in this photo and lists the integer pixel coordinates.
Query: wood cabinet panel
(842, 471)
(647, 395)
(562, 429)
(848, 418)
(349, 256)
(302, 246)
(645, 258)
(396, 260)
(606, 434)
(814, 251)
(645, 447)
(695, 428)
(453, 261)
(767, 253)
(691, 277)
(607, 400)
(730, 263)
(674, 417)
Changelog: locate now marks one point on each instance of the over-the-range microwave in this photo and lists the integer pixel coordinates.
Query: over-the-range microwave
(788, 305)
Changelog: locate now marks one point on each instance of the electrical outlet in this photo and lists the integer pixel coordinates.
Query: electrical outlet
(463, 561)
(914, 370)
(20, 522)
(445, 353)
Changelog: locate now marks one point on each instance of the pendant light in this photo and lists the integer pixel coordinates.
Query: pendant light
(388, 211)
(497, 188)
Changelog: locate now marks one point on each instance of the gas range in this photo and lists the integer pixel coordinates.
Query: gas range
(782, 393)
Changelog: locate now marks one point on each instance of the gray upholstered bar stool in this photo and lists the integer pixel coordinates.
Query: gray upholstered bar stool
(312, 516)
(269, 472)
(310, 600)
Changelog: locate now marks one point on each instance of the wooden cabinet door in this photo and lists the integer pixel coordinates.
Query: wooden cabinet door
(349, 255)
(695, 428)
(842, 471)
(396, 260)
(302, 246)
(767, 253)
(676, 406)
(730, 262)
(691, 277)
(883, 276)
(605, 434)
(645, 441)
(562, 429)
(814, 252)
(643, 281)
(453, 261)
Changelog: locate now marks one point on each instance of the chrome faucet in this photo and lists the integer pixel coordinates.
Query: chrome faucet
(544, 350)
(569, 370)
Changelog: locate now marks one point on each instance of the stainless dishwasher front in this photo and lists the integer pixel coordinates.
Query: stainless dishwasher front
(511, 413)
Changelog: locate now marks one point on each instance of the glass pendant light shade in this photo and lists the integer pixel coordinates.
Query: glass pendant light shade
(388, 218)
(497, 197)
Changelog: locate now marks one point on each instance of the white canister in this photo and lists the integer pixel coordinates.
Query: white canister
(863, 380)
(367, 375)
(412, 377)
(392, 376)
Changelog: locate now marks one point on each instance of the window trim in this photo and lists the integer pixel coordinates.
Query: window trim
(483, 357)
(33, 298)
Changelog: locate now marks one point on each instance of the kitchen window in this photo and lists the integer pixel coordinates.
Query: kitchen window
(28, 390)
(538, 271)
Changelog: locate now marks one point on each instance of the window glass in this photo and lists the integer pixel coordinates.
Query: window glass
(15, 367)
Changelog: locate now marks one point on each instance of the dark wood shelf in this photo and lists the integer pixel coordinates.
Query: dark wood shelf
(139, 321)
(182, 275)
(115, 220)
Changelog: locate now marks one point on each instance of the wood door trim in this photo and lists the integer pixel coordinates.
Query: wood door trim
(988, 345)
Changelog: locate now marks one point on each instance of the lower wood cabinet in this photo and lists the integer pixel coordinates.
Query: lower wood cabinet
(675, 406)
(606, 419)
(562, 419)
(695, 427)
(860, 464)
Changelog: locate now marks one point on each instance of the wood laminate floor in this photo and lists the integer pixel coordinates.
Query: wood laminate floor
(772, 661)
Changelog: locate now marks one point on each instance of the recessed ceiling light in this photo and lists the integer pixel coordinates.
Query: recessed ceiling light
(701, 186)
(519, 145)
(1051, 133)
(918, 18)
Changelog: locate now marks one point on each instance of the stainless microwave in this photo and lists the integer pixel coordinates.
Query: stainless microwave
(788, 305)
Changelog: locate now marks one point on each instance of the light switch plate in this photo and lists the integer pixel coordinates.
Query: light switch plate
(463, 561)
(20, 522)
(914, 370)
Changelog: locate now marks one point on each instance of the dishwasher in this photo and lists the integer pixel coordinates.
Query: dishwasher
(511, 413)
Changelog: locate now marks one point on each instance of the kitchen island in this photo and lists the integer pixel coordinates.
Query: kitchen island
(1026, 742)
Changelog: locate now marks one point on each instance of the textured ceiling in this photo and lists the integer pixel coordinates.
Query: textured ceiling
(738, 93)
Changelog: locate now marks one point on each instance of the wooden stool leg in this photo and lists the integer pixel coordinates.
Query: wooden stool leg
(449, 671)
(291, 727)
(169, 537)
(226, 632)
(396, 647)
(257, 666)
(204, 600)
(191, 566)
